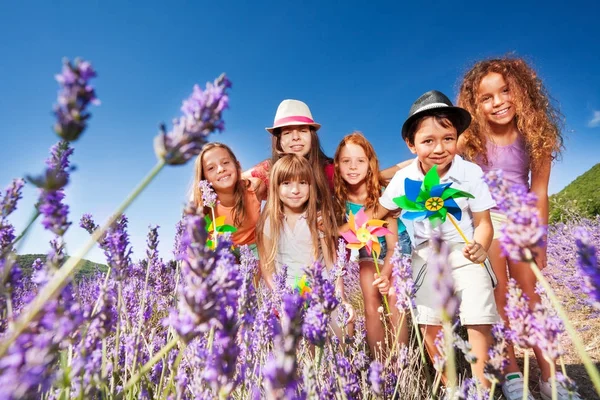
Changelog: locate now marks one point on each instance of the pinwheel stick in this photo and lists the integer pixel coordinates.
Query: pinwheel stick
(385, 302)
(460, 232)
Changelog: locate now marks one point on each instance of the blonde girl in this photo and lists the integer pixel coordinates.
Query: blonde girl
(358, 185)
(238, 199)
(515, 128)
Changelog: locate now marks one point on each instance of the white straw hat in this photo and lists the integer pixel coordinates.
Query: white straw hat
(293, 112)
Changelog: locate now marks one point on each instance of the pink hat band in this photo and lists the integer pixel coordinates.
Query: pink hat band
(295, 118)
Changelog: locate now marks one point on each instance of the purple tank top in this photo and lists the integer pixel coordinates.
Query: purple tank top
(512, 159)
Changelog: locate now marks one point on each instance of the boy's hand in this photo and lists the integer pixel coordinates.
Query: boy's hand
(382, 283)
(475, 252)
(351, 312)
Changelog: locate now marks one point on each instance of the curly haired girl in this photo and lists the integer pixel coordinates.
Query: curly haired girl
(517, 129)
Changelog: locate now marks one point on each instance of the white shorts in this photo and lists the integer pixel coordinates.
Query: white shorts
(498, 220)
(473, 285)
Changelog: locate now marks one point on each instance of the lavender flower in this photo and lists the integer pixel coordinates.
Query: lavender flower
(54, 211)
(209, 197)
(281, 376)
(444, 284)
(12, 194)
(548, 328)
(498, 355)
(522, 326)
(403, 280)
(587, 262)
(524, 228)
(375, 377)
(201, 116)
(74, 97)
(316, 325)
(118, 251)
(348, 377)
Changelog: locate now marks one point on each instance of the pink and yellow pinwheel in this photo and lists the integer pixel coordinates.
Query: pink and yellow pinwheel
(365, 232)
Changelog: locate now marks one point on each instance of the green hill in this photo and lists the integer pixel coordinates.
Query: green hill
(88, 268)
(580, 198)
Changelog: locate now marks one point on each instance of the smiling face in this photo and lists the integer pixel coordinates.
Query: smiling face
(494, 100)
(353, 164)
(434, 144)
(294, 195)
(220, 169)
(295, 139)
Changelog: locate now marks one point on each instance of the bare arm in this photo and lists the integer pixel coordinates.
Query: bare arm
(266, 270)
(259, 188)
(540, 178)
(382, 282)
(476, 251)
(388, 173)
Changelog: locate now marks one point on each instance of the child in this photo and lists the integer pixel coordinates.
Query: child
(287, 229)
(238, 199)
(431, 132)
(515, 129)
(358, 185)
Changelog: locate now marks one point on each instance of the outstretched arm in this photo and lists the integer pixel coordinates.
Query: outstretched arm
(388, 173)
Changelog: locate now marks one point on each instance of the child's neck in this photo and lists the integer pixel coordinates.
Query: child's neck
(503, 131)
(441, 174)
(357, 193)
(226, 198)
(292, 215)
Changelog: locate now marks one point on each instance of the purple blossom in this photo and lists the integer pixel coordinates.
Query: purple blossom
(118, 250)
(498, 355)
(548, 328)
(12, 194)
(522, 325)
(447, 302)
(281, 376)
(348, 377)
(403, 280)
(201, 116)
(315, 325)
(209, 197)
(524, 228)
(74, 97)
(587, 262)
(54, 211)
(375, 377)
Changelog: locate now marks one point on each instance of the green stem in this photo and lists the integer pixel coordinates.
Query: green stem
(421, 346)
(450, 357)
(214, 224)
(385, 302)
(553, 380)
(492, 389)
(577, 343)
(526, 374)
(148, 366)
(59, 280)
(34, 216)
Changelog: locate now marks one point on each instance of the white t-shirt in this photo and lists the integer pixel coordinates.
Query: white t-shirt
(465, 176)
(295, 248)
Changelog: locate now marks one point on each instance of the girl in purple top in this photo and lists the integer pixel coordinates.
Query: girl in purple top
(515, 128)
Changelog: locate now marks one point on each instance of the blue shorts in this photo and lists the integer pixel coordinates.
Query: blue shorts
(363, 254)
(404, 243)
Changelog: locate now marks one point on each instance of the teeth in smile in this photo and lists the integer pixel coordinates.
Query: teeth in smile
(501, 112)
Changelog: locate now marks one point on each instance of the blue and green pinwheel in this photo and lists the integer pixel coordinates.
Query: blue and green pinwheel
(430, 199)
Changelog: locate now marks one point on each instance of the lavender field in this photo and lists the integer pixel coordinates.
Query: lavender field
(198, 325)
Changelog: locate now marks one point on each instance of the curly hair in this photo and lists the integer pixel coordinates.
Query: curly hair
(373, 181)
(539, 121)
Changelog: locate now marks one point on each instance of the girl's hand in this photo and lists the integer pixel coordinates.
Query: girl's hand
(350, 310)
(540, 256)
(475, 252)
(382, 283)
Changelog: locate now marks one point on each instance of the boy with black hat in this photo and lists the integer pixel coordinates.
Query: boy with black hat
(431, 132)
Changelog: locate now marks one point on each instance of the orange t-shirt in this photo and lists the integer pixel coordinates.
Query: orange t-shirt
(246, 233)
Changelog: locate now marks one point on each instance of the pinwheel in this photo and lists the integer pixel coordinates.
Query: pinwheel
(219, 227)
(432, 200)
(366, 232)
(302, 286)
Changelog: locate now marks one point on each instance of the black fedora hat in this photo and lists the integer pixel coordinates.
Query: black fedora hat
(434, 102)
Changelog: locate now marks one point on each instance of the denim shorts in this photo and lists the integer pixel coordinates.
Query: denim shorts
(404, 243)
(363, 254)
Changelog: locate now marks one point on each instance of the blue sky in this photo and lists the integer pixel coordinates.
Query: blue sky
(358, 66)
